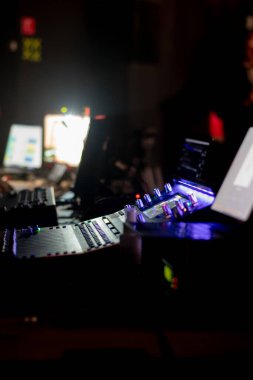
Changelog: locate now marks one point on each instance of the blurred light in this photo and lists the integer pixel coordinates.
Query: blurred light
(31, 49)
(168, 273)
(249, 22)
(99, 117)
(216, 127)
(28, 26)
(137, 196)
(13, 46)
(86, 111)
(64, 109)
(64, 137)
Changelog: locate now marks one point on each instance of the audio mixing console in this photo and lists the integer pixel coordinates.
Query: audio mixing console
(73, 239)
(172, 205)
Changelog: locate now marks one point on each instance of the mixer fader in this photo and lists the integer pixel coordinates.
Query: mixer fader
(73, 239)
(174, 203)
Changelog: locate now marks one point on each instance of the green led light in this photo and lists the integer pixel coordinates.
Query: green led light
(64, 109)
(168, 273)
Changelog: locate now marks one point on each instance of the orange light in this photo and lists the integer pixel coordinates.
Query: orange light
(99, 117)
(86, 111)
(137, 196)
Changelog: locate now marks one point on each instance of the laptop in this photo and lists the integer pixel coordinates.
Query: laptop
(235, 195)
(24, 149)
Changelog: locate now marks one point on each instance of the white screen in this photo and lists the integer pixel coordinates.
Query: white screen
(24, 147)
(64, 137)
(235, 196)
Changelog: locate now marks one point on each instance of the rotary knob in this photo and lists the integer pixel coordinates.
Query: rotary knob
(140, 218)
(193, 198)
(157, 193)
(167, 188)
(147, 199)
(179, 204)
(140, 204)
(166, 210)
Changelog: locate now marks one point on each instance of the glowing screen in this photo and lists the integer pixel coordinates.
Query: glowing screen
(24, 147)
(64, 138)
(235, 196)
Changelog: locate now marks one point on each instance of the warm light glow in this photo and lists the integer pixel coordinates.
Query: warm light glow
(137, 196)
(86, 111)
(64, 137)
(100, 117)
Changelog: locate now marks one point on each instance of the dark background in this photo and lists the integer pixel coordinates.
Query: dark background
(158, 64)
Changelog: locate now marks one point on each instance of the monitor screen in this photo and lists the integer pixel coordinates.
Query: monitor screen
(64, 138)
(235, 196)
(24, 147)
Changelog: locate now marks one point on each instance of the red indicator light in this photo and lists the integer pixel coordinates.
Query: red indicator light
(28, 26)
(216, 127)
(137, 196)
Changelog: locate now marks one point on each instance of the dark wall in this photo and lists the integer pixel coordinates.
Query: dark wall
(84, 57)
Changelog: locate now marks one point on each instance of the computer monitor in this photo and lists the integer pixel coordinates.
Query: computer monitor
(64, 137)
(91, 167)
(24, 147)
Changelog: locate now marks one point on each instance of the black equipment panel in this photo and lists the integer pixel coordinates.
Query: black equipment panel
(28, 207)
